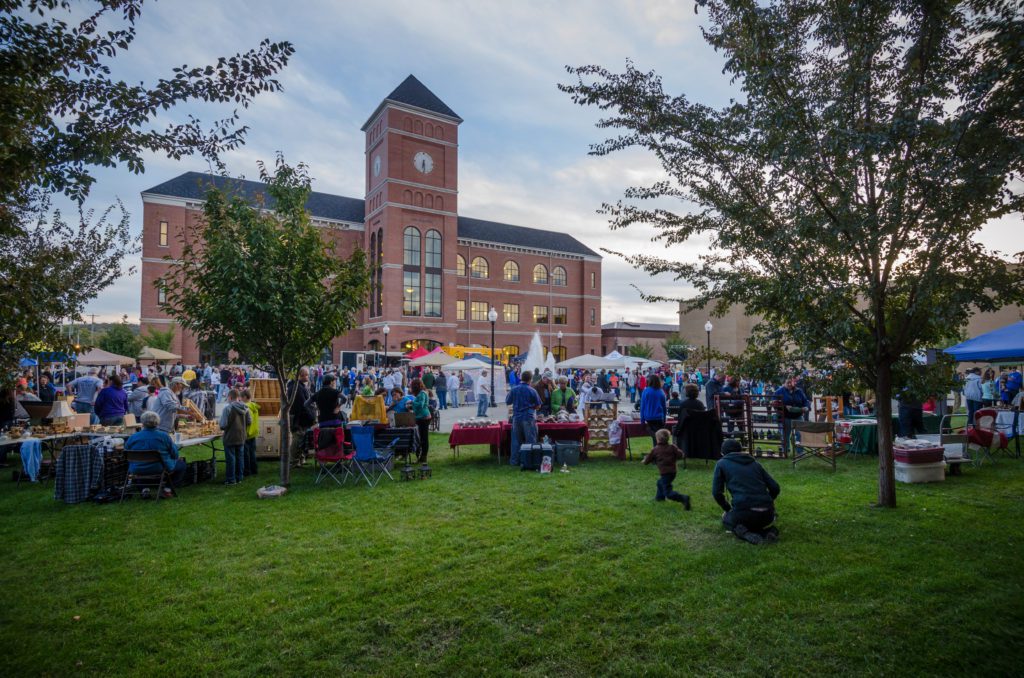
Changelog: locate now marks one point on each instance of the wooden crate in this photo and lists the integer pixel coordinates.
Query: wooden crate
(265, 389)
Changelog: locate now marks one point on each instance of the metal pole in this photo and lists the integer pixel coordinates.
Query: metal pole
(493, 403)
(709, 355)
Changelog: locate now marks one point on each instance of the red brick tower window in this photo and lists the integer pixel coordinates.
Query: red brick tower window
(480, 268)
(163, 234)
(460, 265)
(559, 277)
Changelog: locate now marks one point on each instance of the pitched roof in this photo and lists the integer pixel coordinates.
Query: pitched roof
(412, 92)
(193, 186)
(521, 236)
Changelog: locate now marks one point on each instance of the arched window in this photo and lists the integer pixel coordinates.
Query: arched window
(434, 249)
(511, 271)
(540, 274)
(411, 243)
(479, 269)
(460, 265)
(558, 276)
(379, 262)
(373, 274)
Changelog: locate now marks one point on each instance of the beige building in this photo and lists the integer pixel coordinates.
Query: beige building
(730, 333)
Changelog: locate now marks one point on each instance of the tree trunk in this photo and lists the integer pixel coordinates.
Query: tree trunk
(285, 437)
(883, 411)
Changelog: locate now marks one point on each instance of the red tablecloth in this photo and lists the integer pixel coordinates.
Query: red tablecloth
(570, 430)
(475, 435)
(635, 429)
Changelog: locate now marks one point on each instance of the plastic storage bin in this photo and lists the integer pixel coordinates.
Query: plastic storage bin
(921, 473)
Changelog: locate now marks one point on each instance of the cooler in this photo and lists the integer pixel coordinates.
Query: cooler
(921, 473)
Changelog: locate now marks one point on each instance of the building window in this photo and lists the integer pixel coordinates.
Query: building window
(558, 277)
(479, 269)
(411, 244)
(510, 350)
(510, 313)
(479, 310)
(373, 274)
(161, 296)
(163, 234)
(560, 353)
(460, 265)
(593, 280)
(540, 315)
(593, 317)
(559, 315)
(410, 293)
(511, 271)
(540, 274)
(433, 249)
(432, 300)
(379, 263)
(460, 309)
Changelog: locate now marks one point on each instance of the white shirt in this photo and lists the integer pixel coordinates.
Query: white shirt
(453, 382)
(482, 386)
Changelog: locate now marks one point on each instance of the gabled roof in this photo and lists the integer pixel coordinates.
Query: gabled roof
(412, 92)
(194, 185)
(521, 236)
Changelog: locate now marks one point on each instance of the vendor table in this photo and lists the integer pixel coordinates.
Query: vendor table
(1004, 423)
(577, 431)
(634, 429)
(476, 435)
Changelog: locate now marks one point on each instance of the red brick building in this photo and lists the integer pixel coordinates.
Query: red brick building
(438, 273)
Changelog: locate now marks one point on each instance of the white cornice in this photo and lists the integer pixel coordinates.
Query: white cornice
(427, 187)
(469, 242)
(408, 207)
(538, 293)
(425, 322)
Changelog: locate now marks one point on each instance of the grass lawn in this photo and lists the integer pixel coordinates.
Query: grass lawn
(485, 570)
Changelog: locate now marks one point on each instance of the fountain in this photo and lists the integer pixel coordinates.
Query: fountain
(535, 355)
(549, 364)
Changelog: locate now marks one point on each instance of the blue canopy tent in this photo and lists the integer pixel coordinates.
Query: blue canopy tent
(1003, 345)
(27, 362)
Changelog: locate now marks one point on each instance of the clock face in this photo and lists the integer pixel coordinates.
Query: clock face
(423, 162)
(376, 166)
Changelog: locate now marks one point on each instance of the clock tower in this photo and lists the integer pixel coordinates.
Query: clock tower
(411, 228)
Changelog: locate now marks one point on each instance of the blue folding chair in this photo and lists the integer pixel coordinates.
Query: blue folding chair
(371, 463)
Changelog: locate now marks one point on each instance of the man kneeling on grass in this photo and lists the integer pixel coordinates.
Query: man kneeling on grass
(753, 493)
(664, 455)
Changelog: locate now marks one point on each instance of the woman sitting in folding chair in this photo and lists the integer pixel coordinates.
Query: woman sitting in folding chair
(152, 438)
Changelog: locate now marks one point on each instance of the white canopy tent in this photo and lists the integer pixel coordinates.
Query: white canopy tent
(470, 364)
(614, 355)
(590, 362)
(641, 363)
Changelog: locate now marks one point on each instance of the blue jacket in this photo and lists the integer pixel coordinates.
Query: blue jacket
(524, 401)
(796, 398)
(152, 439)
(652, 404)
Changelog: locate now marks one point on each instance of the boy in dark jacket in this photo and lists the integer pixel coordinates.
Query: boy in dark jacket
(753, 494)
(665, 457)
(234, 421)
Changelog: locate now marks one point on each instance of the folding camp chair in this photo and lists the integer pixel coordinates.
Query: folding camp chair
(986, 436)
(333, 457)
(368, 462)
(137, 481)
(817, 439)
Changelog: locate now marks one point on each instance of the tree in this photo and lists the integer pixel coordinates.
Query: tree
(675, 347)
(161, 339)
(58, 268)
(120, 339)
(640, 350)
(61, 116)
(844, 189)
(268, 285)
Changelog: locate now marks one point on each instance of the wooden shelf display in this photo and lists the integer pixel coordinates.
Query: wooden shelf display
(266, 393)
(755, 423)
(598, 419)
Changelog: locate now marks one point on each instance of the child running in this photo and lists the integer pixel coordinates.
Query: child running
(665, 456)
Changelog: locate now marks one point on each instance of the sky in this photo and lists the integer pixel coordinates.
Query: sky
(523, 148)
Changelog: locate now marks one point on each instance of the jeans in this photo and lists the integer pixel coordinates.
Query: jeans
(234, 459)
(481, 406)
(454, 398)
(911, 421)
(755, 519)
(112, 421)
(787, 432)
(972, 407)
(178, 472)
(524, 432)
(298, 444)
(442, 399)
(250, 457)
(221, 390)
(665, 490)
(82, 408)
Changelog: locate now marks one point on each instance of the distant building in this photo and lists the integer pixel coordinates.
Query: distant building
(619, 336)
(437, 273)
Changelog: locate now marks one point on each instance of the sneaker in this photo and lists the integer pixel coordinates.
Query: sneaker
(686, 502)
(230, 482)
(771, 535)
(167, 493)
(746, 535)
(146, 493)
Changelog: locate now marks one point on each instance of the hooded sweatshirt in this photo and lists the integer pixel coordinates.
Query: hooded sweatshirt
(972, 387)
(748, 483)
(234, 421)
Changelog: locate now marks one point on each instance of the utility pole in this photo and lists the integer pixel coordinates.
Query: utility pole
(92, 328)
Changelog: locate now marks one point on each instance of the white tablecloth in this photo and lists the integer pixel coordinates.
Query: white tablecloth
(1004, 422)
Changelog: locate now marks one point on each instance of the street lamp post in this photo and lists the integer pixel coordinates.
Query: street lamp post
(386, 330)
(707, 328)
(560, 358)
(492, 315)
